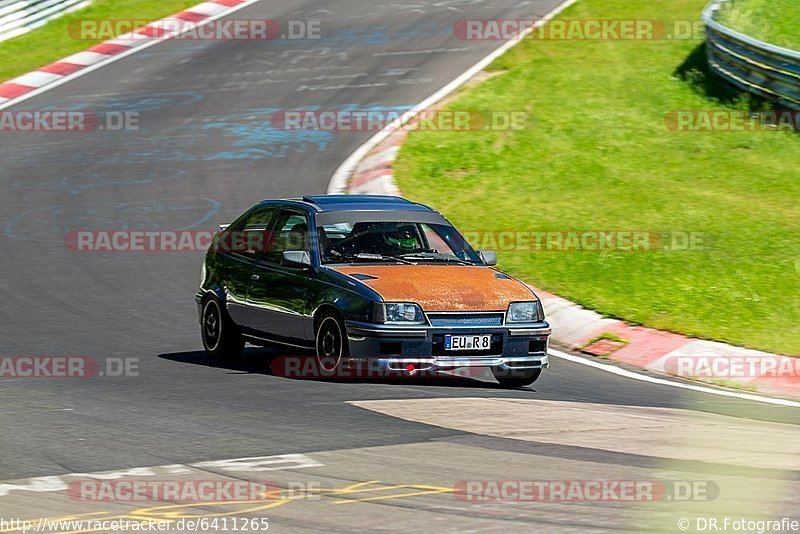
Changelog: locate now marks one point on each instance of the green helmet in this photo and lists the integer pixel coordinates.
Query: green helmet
(403, 238)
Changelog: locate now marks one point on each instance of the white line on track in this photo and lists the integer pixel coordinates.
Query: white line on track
(121, 55)
(256, 464)
(644, 378)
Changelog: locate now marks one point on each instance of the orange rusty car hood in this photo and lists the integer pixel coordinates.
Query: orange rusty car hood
(442, 287)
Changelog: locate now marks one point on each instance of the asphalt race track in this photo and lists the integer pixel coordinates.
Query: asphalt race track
(204, 152)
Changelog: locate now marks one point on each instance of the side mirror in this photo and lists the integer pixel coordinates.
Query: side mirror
(223, 227)
(296, 258)
(489, 257)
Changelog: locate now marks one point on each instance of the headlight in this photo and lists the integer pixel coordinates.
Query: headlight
(525, 312)
(397, 312)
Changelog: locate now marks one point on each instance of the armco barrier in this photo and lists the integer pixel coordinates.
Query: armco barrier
(763, 69)
(21, 16)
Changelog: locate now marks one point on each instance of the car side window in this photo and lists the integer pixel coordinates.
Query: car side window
(252, 235)
(291, 233)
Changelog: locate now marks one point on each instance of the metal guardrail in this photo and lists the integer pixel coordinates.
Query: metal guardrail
(21, 16)
(766, 70)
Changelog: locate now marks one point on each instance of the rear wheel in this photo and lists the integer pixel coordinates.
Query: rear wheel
(330, 342)
(221, 337)
(516, 378)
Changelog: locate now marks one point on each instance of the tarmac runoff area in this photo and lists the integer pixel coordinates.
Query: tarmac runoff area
(613, 468)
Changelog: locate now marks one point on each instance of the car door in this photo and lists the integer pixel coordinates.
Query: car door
(239, 249)
(277, 297)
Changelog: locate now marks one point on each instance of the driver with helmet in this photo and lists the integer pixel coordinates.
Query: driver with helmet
(403, 239)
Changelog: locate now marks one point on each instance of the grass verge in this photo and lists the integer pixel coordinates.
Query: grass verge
(599, 156)
(773, 21)
(53, 41)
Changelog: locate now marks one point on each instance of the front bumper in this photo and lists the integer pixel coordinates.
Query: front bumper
(395, 348)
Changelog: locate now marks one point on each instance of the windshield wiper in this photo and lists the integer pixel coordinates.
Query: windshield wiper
(379, 257)
(409, 258)
(435, 256)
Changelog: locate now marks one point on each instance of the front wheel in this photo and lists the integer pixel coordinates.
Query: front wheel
(516, 378)
(221, 336)
(330, 342)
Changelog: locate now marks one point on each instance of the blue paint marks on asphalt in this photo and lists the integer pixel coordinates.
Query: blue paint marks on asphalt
(249, 135)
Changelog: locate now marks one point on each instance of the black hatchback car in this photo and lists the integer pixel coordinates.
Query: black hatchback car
(374, 279)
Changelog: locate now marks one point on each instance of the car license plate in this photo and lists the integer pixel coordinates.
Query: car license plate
(480, 342)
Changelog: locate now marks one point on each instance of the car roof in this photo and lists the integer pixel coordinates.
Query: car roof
(328, 203)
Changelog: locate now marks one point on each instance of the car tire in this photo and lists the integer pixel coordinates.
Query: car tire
(330, 342)
(516, 378)
(222, 339)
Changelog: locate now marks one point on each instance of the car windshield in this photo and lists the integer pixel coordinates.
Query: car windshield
(399, 242)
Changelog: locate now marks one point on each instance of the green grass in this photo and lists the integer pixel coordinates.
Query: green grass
(598, 156)
(52, 41)
(773, 21)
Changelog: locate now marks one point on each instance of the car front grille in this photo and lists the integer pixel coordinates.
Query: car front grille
(466, 319)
